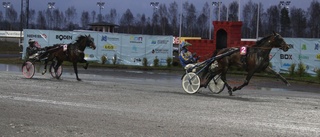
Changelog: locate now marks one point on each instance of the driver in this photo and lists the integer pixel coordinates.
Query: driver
(185, 56)
(32, 49)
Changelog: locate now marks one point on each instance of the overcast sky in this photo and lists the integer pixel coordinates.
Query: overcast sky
(137, 6)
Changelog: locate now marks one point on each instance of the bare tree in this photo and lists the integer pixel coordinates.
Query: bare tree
(93, 15)
(233, 11)
(126, 20)
(285, 22)
(112, 16)
(190, 18)
(203, 21)
(163, 14)
(41, 20)
(273, 15)
(59, 21)
(71, 14)
(313, 20)
(85, 19)
(173, 18)
(298, 21)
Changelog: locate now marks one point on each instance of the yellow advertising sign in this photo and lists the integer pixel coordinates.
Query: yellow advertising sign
(176, 40)
(109, 47)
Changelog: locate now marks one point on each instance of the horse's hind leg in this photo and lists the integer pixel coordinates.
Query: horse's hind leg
(56, 67)
(245, 83)
(45, 67)
(270, 70)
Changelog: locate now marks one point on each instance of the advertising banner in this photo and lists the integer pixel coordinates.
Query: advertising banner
(305, 51)
(109, 46)
(128, 49)
(158, 47)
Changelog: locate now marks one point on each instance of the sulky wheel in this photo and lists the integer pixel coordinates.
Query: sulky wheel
(191, 83)
(59, 71)
(28, 69)
(216, 85)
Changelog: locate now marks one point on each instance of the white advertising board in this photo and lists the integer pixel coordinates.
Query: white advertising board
(130, 49)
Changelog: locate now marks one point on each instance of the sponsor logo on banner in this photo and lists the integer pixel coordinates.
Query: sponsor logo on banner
(160, 51)
(163, 41)
(303, 57)
(62, 37)
(137, 60)
(36, 35)
(159, 41)
(106, 38)
(134, 39)
(134, 49)
(153, 42)
(109, 47)
(89, 56)
(286, 64)
(303, 47)
(286, 56)
(318, 57)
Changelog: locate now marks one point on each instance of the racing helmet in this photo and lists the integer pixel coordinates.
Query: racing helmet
(184, 44)
(31, 41)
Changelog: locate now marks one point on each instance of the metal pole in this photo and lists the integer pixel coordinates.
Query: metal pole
(101, 6)
(227, 13)
(155, 7)
(27, 16)
(258, 16)
(239, 10)
(180, 25)
(210, 20)
(21, 28)
(219, 10)
(180, 21)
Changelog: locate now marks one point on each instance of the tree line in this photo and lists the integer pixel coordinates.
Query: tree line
(289, 22)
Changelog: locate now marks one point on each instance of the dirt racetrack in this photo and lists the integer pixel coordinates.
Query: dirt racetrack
(135, 103)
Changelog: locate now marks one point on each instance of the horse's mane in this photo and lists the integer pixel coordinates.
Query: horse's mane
(260, 42)
(80, 38)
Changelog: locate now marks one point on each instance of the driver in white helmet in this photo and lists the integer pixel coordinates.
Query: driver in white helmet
(32, 49)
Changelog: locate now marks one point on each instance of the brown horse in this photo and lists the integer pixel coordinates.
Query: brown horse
(73, 52)
(256, 59)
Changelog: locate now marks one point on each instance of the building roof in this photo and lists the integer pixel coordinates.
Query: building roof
(103, 24)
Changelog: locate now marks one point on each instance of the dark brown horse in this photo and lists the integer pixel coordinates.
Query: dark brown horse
(73, 52)
(256, 60)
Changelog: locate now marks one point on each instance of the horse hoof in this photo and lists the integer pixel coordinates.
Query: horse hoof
(230, 93)
(78, 79)
(288, 84)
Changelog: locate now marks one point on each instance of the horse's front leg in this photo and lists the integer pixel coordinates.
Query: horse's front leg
(270, 70)
(75, 67)
(84, 61)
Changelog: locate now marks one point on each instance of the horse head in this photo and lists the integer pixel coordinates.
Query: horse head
(86, 41)
(90, 42)
(278, 42)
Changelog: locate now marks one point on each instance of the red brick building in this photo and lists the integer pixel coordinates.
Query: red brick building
(226, 34)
